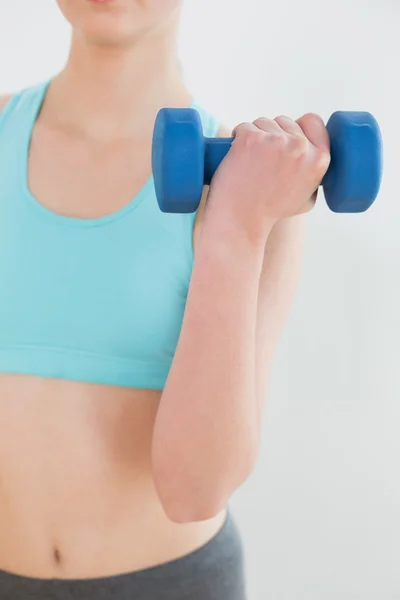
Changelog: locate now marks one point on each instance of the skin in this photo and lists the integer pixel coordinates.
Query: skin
(84, 468)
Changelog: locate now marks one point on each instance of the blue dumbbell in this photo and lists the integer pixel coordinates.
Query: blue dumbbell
(184, 160)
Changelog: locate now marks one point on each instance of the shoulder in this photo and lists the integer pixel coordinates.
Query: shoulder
(4, 101)
(223, 131)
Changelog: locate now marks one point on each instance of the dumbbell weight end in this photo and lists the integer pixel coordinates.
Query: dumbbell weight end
(184, 160)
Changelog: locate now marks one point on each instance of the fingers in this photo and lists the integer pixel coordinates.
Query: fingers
(309, 125)
(262, 123)
(289, 125)
(242, 128)
(267, 125)
(305, 134)
(314, 128)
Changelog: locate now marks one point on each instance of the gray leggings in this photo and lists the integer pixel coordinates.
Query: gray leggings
(213, 572)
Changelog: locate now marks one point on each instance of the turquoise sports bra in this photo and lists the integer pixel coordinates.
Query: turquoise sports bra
(92, 300)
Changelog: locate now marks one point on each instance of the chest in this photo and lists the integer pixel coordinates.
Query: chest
(89, 266)
(114, 291)
(75, 176)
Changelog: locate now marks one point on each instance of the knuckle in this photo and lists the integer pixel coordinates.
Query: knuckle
(299, 146)
(241, 129)
(242, 125)
(252, 138)
(322, 160)
(279, 140)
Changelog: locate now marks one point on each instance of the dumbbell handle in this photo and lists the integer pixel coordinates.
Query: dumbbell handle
(215, 151)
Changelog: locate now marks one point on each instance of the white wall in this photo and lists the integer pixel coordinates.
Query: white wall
(321, 514)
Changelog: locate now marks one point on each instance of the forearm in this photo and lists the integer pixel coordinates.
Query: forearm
(206, 434)
(278, 283)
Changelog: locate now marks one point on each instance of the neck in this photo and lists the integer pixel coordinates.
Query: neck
(107, 91)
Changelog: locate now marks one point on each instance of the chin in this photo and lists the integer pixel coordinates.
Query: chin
(107, 28)
(107, 35)
(116, 22)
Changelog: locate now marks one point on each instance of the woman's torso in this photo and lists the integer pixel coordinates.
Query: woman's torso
(77, 497)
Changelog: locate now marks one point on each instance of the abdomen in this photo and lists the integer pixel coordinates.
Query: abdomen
(77, 497)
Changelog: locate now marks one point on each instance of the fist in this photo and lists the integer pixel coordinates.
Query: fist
(272, 171)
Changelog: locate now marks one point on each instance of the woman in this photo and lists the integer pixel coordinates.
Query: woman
(132, 371)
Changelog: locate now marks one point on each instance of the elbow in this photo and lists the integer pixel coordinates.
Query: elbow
(191, 502)
(191, 512)
(187, 500)
(197, 490)
(181, 517)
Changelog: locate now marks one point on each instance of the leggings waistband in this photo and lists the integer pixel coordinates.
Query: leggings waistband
(215, 571)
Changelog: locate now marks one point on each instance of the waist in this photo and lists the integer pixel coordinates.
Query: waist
(77, 497)
(214, 570)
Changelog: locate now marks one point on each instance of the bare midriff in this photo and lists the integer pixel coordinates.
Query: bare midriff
(77, 494)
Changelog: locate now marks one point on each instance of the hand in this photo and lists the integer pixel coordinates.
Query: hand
(272, 171)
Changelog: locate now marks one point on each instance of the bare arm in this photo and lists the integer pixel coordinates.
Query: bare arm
(207, 432)
(3, 101)
(277, 287)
